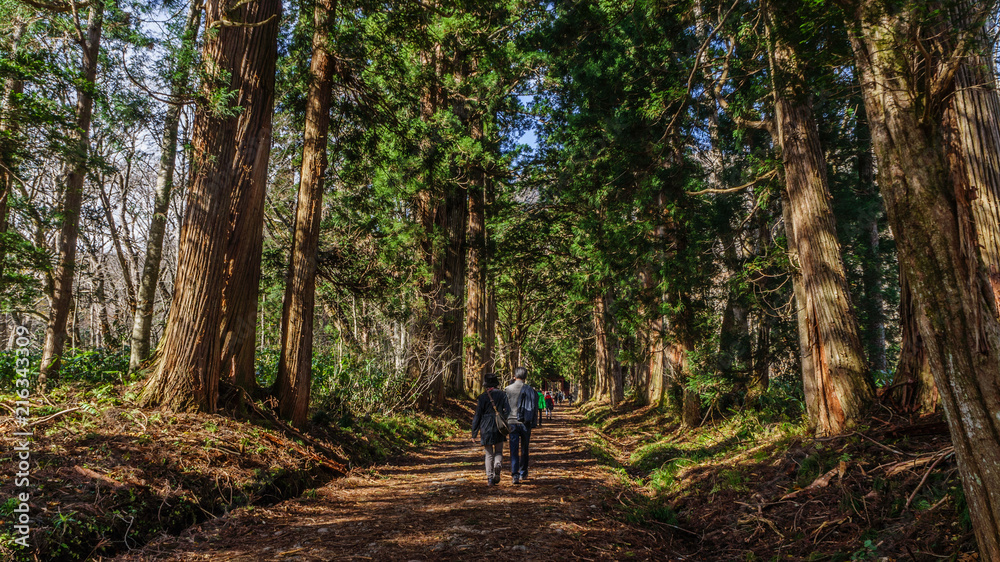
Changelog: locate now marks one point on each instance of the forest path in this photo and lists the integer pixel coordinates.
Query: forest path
(435, 505)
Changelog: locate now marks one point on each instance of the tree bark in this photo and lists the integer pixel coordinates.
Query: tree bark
(451, 221)
(735, 352)
(839, 374)
(608, 382)
(584, 379)
(925, 186)
(913, 388)
(76, 172)
(806, 361)
(656, 374)
(425, 339)
(475, 287)
(680, 345)
(976, 105)
(295, 365)
(243, 251)
(186, 375)
(441, 208)
(146, 294)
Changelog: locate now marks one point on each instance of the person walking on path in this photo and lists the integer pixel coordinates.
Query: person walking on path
(522, 418)
(491, 402)
(549, 405)
(541, 406)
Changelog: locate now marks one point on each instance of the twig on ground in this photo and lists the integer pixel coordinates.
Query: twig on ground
(886, 447)
(55, 415)
(940, 456)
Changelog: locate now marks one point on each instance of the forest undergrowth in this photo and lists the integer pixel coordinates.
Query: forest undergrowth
(756, 486)
(109, 476)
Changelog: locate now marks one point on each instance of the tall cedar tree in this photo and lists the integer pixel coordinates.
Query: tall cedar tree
(244, 247)
(837, 389)
(917, 139)
(231, 144)
(295, 364)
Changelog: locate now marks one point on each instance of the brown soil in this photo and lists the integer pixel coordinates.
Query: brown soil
(107, 477)
(203, 487)
(435, 505)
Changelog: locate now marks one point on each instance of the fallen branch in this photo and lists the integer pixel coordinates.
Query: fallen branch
(52, 416)
(821, 482)
(675, 527)
(93, 475)
(886, 447)
(895, 468)
(940, 456)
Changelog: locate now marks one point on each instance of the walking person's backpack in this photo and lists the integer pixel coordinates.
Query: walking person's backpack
(527, 406)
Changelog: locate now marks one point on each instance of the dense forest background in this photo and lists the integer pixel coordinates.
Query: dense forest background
(348, 208)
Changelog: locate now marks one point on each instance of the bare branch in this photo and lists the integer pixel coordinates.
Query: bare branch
(224, 22)
(768, 175)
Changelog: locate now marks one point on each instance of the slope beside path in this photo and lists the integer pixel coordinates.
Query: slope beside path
(435, 505)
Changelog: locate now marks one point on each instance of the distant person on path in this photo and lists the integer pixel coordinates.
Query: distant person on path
(541, 406)
(524, 416)
(491, 402)
(549, 405)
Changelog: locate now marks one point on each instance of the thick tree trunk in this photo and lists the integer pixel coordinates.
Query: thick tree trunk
(428, 347)
(246, 207)
(976, 105)
(806, 361)
(839, 373)
(913, 388)
(442, 210)
(761, 373)
(656, 373)
(451, 221)
(583, 373)
(475, 288)
(925, 186)
(608, 382)
(678, 375)
(76, 172)
(186, 375)
(146, 294)
(295, 366)
(9, 127)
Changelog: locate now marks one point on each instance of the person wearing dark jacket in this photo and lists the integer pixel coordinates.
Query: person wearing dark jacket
(520, 430)
(491, 402)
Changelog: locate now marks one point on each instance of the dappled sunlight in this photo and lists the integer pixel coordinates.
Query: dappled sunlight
(435, 503)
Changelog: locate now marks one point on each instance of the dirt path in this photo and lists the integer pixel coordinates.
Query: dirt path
(435, 505)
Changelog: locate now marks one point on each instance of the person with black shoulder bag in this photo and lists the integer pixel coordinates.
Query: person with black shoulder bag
(489, 422)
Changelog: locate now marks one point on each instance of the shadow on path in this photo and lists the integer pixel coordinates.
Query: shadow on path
(435, 505)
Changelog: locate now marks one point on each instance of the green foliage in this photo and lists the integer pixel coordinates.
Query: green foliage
(95, 366)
